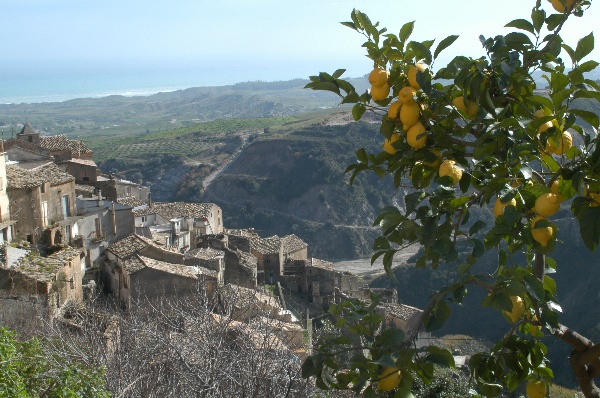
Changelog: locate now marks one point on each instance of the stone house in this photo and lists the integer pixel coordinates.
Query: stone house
(84, 170)
(208, 257)
(294, 248)
(39, 287)
(269, 255)
(25, 154)
(62, 148)
(6, 223)
(126, 255)
(316, 281)
(42, 201)
(101, 223)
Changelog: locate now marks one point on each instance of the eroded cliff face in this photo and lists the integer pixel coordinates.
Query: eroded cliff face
(296, 184)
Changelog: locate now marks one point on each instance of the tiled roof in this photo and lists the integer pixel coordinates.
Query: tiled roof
(169, 211)
(401, 311)
(205, 253)
(44, 269)
(170, 268)
(140, 208)
(133, 264)
(85, 188)
(270, 245)
(87, 162)
(246, 259)
(246, 233)
(292, 243)
(315, 262)
(20, 178)
(62, 143)
(127, 246)
(27, 129)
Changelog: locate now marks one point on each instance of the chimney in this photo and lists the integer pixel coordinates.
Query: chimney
(99, 200)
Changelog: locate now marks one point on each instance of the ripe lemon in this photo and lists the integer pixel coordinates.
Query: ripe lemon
(459, 103)
(409, 114)
(436, 162)
(560, 8)
(394, 110)
(499, 206)
(389, 379)
(406, 94)
(472, 109)
(379, 93)
(449, 168)
(545, 127)
(387, 144)
(539, 113)
(547, 204)
(378, 77)
(536, 388)
(518, 308)
(542, 235)
(412, 75)
(566, 142)
(415, 137)
(534, 329)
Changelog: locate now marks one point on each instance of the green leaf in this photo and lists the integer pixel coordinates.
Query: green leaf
(584, 46)
(476, 227)
(588, 66)
(338, 73)
(421, 51)
(439, 356)
(438, 316)
(589, 226)
(522, 24)
(406, 31)
(358, 111)
(447, 42)
(537, 17)
(390, 337)
(588, 116)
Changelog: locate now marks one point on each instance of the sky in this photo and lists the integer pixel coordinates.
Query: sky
(233, 39)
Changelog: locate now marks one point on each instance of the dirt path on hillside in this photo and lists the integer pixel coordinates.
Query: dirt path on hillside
(363, 266)
(210, 178)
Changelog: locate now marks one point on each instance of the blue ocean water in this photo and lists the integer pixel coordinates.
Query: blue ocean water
(34, 86)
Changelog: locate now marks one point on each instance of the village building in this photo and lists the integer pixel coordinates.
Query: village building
(101, 223)
(208, 257)
(6, 223)
(316, 281)
(42, 201)
(39, 287)
(62, 148)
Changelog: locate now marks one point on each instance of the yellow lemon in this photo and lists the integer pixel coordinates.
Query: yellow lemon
(389, 379)
(394, 110)
(407, 94)
(378, 77)
(499, 206)
(539, 113)
(542, 235)
(387, 144)
(545, 127)
(534, 329)
(412, 75)
(415, 137)
(518, 309)
(409, 114)
(536, 388)
(566, 142)
(459, 103)
(449, 168)
(379, 93)
(547, 204)
(560, 8)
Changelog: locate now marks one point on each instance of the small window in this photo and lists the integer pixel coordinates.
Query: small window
(43, 188)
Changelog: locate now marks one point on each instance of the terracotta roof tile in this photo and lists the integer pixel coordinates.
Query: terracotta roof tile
(127, 246)
(181, 209)
(20, 178)
(62, 143)
(292, 243)
(270, 245)
(170, 268)
(44, 269)
(205, 253)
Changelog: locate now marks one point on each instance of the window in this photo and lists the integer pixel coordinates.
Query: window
(143, 218)
(43, 188)
(44, 214)
(65, 206)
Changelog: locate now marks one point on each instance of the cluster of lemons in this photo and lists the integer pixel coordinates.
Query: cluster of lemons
(408, 112)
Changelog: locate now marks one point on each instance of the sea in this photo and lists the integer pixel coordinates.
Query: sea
(36, 87)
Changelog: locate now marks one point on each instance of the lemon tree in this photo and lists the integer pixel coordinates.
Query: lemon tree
(485, 136)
